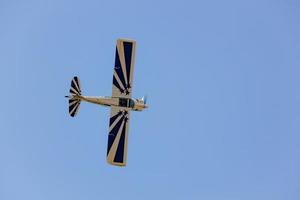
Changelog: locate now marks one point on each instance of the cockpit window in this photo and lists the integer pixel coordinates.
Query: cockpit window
(131, 103)
(124, 102)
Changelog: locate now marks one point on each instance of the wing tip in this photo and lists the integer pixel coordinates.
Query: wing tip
(126, 40)
(111, 162)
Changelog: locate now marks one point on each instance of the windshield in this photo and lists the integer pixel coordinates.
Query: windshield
(124, 102)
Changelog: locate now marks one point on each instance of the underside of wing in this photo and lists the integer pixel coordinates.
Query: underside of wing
(118, 136)
(123, 69)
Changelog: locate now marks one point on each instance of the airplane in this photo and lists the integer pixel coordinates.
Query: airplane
(121, 101)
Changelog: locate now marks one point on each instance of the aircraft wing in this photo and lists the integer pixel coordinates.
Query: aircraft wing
(118, 136)
(123, 70)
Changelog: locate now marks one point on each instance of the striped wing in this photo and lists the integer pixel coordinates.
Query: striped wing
(117, 137)
(123, 70)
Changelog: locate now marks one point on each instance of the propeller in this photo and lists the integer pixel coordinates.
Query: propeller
(145, 99)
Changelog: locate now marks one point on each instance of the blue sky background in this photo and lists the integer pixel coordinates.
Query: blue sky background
(223, 82)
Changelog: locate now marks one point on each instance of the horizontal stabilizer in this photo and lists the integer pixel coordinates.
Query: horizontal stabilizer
(74, 100)
(75, 86)
(73, 107)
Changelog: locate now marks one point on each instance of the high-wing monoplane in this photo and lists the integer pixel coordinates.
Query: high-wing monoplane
(121, 101)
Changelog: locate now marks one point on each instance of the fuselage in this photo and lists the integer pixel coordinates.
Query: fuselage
(125, 103)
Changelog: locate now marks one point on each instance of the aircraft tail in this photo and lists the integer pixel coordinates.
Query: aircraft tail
(74, 98)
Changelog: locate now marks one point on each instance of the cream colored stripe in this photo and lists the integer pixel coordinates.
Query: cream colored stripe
(74, 101)
(75, 107)
(118, 80)
(115, 122)
(126, 139)
(74, 90)
(77, 87)
(78, 84)
(132, 64)
(76, 111)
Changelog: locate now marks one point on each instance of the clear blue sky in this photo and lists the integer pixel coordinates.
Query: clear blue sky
(223, 81)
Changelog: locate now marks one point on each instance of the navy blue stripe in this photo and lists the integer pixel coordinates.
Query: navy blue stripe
(115, 82)
(76, 105)
(72, 106)
(71, 101)
(74, 86)
(75, 91)
(128, 56)
(113, 133)
(113, 118)
(76, 79)
(120, 150)
(118, 69)
(77, 82)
